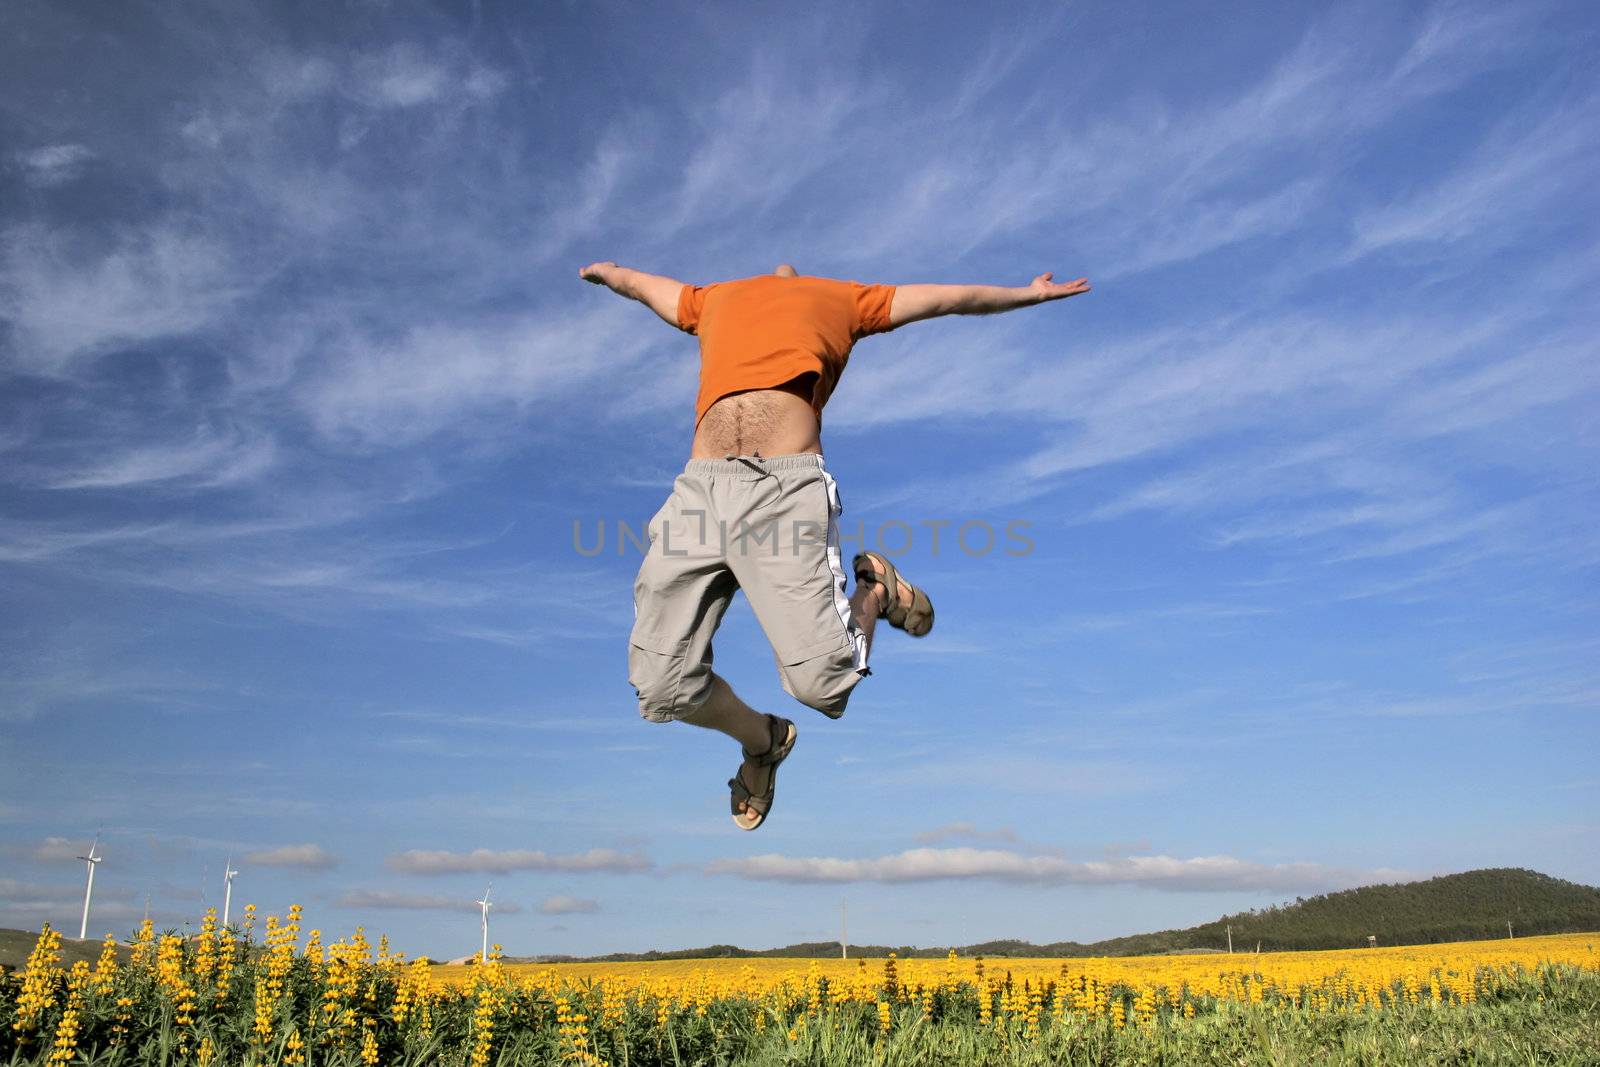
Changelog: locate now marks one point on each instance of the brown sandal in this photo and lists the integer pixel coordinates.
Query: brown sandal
(782, 735)
(915, 618)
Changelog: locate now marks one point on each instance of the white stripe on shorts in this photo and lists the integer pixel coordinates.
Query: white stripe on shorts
(841, 602)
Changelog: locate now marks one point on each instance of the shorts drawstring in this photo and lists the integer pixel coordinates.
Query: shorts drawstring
(730, 457)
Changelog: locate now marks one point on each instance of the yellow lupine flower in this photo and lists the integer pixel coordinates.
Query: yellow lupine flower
(38, 983)
(66, 1043)
(1015, 1000)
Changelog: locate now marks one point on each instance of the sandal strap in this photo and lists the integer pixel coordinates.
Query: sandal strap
(776, 753)
(889, 581)
(739, 793)
(915, 617)
(919, 617)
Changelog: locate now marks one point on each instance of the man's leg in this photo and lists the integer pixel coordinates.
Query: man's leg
(866, 603)
(724, 712)
(682, 591)
(785, 555)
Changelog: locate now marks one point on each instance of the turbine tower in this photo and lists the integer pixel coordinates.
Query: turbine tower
(484, 906)
(91, 859)
(227, 894)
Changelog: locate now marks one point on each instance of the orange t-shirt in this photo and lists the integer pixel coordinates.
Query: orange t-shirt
(757, 333)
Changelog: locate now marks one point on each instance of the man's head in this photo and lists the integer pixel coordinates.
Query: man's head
(784, 270)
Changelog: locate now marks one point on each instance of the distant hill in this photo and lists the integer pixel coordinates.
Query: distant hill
(15, 945)
(1456, 907)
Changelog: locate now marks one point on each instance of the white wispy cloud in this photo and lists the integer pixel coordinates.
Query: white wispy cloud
(1521, 166)
(1159, 183)
(1209, 873)
(26, 542)
(760, 139)
(1042, 775)
(53, 850)
(394, 393)
(1519, 382)
(581, 209)
(67, 300)
(310, 856)
(53, 164)
(559, 905)
(965, 830)
(410, 74)
(55, 679)
(208, 459)
(14, 892)
(64, 913)
(399, 76)
(18, 893)
(296, 567)
(1205, 415)
(400, 900)
(529, 719)
(1459, 35)
(483, 860)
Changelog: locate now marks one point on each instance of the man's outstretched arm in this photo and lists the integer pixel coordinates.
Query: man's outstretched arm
(655, 292)
(913, 302)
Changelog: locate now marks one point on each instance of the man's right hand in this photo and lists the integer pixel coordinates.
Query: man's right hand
(657, 293)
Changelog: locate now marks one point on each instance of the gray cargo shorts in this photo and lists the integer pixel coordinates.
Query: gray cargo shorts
(768, 526)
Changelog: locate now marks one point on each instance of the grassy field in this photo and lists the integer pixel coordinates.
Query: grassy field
(300, 1001)
(1378, 966)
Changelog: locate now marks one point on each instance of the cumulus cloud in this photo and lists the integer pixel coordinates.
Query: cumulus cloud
(483, 860)
(998, 865)
(312, 856)
(559, 905)
(387, 898)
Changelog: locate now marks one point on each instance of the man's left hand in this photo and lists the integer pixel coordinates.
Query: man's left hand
(1049, 290)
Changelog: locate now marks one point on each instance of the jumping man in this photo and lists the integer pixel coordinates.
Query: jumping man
(756, 509)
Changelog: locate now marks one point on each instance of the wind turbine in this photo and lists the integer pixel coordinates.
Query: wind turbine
(484, 905)
(91, 859)
(227, 894)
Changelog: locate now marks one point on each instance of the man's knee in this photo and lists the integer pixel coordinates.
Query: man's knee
(668, 687)
(823, 682)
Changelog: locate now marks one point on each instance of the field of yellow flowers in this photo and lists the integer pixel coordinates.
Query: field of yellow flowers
(226, 998)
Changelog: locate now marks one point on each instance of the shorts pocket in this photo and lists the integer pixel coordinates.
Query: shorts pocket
(796, 653)
(655, 670)
(822, 677)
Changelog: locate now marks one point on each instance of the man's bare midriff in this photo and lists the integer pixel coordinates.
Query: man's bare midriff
(773, 422)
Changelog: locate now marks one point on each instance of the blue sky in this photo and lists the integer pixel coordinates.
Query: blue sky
(302, 397)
